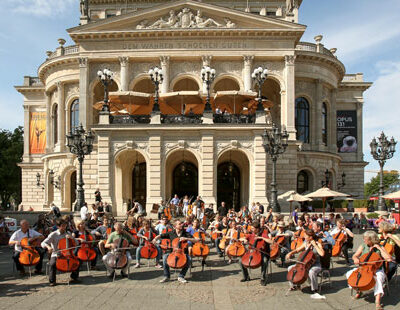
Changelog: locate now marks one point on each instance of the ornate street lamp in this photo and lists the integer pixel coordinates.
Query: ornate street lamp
(275, 143)
(343, 183)
(80, 143)
(156, 76)
(38, 184)
(106, 78)
(327, 179)
(208, 76)
(55, 183)
(382, 150)
(259, 76)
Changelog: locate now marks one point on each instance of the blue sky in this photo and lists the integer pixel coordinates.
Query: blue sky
(365, 32)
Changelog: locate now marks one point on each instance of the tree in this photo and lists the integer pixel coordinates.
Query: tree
(372, 187)
(11, 151)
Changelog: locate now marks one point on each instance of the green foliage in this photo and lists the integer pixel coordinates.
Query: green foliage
(340, 204)
(317, 204)
(372, 215)
(360, 203)
(372, 187)
(11, 151)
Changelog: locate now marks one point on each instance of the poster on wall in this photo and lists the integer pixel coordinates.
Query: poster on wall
(37, 133)
(347, 131)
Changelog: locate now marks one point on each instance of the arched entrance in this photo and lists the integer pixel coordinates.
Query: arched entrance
(185, 180)
(228, 185)
(139, 183)
(233, 178)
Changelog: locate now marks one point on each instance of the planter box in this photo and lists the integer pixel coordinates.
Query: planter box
(359, 210)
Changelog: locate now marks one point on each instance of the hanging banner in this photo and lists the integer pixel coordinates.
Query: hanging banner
(37, 133)
(347, 131)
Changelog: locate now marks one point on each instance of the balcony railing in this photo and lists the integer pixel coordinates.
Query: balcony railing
(234, 119)
(181, 119)
(311, 47)
(130, 119)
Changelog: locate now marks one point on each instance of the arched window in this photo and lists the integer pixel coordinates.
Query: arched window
(324, 124)
(302, 182)
(74, 115)
(302, 120)
(55, 123)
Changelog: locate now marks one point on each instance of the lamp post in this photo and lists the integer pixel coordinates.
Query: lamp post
(382, 150)
(157, 77)
(259, 76)
(80, 143)
(55, 183)
(275, 143)
(343, 183)
(208, 76)
(106, 78)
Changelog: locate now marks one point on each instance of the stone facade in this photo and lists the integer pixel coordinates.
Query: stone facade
(228, 39)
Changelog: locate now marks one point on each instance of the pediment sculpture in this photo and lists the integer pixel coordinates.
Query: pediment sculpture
(185, 19)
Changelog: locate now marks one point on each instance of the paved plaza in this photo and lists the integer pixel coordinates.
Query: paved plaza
(218, 287)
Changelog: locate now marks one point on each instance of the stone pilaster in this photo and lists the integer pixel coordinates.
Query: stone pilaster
(164, 60)
(317, 130)
(61, 118)
(208, 181)
(206, 61)
(104, 167)
(85, 110)
(48, 122)
(154, 171)
(124, 61)
(333, 123)
(288, 107)
(26, 129)
(247, 64)
(259, 182)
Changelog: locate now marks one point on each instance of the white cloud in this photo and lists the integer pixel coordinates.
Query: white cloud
(40, 7)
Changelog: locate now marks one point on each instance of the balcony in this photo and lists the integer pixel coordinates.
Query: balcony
(234, 118)
(181, 119)
(130, 119)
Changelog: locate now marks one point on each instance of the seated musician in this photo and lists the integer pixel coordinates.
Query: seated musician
(371, 240)
(230, 237)
(101, 233)
(51, 244)
(160, 211)
(220, 226)
(325, 236)
(274, 224)
(141, 234)
(310, 239)
(164, 224)
(118, 234)
(385, 230)
(180, 233)
(192, 230)
(341, 226)
(15, 240)
(281, 231)
(81, 232)
(258, 234)
(94, 221)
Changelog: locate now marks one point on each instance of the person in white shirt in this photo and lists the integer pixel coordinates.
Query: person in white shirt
(84, 212)
(33, 236)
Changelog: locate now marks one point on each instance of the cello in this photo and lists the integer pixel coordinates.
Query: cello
(200, 248)
(237, 249)
(298, 239)
(252, 258)
(339, 238)
(29, 255)
(86, 252)
(149, 250)
(362, 279)
(166, 243)
(177, 259)
(299, 273)
(118, 259)
(275, 249)
(66, 259)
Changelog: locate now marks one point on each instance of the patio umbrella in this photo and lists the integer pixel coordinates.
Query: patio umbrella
(234, 101)
(181, 102)
(324, 193)
(395, 195)
(293, 196)
(135, 103)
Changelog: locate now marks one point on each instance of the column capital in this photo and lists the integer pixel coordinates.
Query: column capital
(123, 60)
(83, 62)
(248, 60)
(290, 60)
(164, 60)
(206, 59)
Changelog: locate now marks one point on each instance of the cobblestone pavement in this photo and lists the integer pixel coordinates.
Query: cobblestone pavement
(218, 287)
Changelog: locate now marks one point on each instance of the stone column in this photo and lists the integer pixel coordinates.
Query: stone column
(333, 123)
(288, 107)
(61, 118)
(27, 130)
(259, 184)
(85, 111)
(208, 186)
(154, 171)
(206, 60)
(316, 128)
(49, 116)
(164, 60)
(124, 61)
(247, 63)
(360, 155)
(105, 170)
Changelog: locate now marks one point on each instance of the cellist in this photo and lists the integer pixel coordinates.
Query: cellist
(51, 244)
(371, 241)
(263, 246)
(230, 237)
(142, 235)
(281, 231)
(101, 233)
(180, 233)
(192, 230)
(25, 232)
(310, 239)
(82, 230)
(385, 230)
(341, 226)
